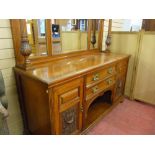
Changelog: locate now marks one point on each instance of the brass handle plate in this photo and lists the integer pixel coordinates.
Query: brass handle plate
(96, 77)
(95, 89)
(109, 81)
(110, 70)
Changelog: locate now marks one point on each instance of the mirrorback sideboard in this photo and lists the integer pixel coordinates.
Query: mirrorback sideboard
(61, 97)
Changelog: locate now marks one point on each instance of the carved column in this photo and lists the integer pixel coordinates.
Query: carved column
(93, 39)
(108, 40)
(25, 48)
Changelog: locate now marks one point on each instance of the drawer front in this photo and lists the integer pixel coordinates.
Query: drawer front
(90, 92)
(122, 66)
(100, 75)
(69, 96)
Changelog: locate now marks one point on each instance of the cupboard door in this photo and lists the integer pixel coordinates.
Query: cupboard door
(68, 107)
(121, 69)
(119, 87)
(69, 120)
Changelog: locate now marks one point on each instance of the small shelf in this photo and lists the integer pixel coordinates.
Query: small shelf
(96, 109)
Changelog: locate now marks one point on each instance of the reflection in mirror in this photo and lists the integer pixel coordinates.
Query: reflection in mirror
(37, 36)
(69, 35)
(94, 33)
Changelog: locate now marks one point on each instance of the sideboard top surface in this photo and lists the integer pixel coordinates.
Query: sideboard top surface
(59, 70)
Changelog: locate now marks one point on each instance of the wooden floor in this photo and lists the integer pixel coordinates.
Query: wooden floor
(127, 118)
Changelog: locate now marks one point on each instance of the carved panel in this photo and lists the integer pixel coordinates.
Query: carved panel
(119, 87)
(69, 121)
(69, 95)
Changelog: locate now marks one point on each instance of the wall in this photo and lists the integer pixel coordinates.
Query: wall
(7, 61)
(127, 43)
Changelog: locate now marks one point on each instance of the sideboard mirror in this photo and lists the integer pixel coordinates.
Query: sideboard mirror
(69, 35)
(36, 33)
(54, 38)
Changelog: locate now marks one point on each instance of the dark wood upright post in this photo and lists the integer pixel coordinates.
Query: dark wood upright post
(108, 40)
(25, 48)
(93, 40)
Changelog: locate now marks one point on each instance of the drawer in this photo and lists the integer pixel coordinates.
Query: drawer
(90, 92)
(100, 75)
(70, 95)
(122, 66)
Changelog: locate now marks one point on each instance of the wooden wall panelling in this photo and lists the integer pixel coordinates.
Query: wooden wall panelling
(117, 25)
(5, 33)
(6, 43)
(6, 53)
(70, 41)
(83, 41)
(127, 42)
(144, 89)
(4, 23)
(7, 61)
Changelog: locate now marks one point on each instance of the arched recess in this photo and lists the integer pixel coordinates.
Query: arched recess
(97, 105)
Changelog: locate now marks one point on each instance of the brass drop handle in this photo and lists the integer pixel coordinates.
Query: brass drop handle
(95, 89)
(69, 121)
(110, 70)
(109, 81)
(96, 77)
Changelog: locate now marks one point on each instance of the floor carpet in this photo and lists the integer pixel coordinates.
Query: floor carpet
(127, 118)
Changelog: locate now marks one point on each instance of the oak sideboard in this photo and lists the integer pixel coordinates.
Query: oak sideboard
(67, 96)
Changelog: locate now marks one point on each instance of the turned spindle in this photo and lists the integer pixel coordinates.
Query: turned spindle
(108, 40)
(25, 48)
(93, 40)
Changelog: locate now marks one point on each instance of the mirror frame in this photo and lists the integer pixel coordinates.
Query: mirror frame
(21, 62)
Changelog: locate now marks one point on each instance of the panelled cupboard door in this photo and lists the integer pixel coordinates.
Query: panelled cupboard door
(121, 69)
(119, 87)
(68, 107)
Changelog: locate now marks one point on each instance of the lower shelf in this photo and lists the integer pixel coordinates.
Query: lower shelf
(97, 108)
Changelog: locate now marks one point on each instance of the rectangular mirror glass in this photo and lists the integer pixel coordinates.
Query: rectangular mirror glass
(36, 31)
(69, 35)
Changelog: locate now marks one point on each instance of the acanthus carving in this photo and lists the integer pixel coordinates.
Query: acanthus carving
(119, 87)
(25, 48)
(69, 120)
